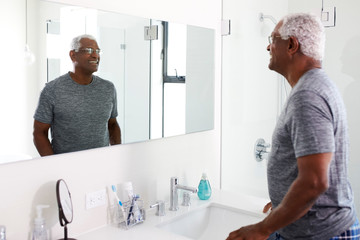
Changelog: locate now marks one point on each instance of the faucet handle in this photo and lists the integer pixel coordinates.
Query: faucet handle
(260, 149)
(160, 208)
(186, 199)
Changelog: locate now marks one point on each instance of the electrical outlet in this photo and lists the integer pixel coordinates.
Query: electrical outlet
(95, 199)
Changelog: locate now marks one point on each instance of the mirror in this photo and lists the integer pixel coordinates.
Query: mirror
(63, 197)
(148, 107)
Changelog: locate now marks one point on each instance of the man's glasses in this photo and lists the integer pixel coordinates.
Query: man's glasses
(271, 39)
(89, 51)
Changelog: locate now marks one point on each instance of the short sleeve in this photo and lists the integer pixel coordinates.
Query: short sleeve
(114, 112)
(311, 124)
(45, 109)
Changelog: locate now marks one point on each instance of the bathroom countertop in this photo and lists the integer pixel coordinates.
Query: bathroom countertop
(251, 204)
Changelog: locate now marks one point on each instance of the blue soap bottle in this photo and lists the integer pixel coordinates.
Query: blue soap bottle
(204, 190)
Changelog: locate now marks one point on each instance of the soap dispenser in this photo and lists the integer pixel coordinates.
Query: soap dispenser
(204, 191)
(39, 231)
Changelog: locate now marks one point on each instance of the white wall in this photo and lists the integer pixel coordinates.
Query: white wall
(148, 165)
(249, 93)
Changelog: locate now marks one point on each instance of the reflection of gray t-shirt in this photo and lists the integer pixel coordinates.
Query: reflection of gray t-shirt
(313, 121)
(78, 114)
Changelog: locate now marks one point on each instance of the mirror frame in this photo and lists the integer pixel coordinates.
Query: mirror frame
(61, 186)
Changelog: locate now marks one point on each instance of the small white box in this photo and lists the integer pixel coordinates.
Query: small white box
(328, 16)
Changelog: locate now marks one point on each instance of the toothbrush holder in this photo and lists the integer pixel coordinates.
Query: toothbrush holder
(130, 214)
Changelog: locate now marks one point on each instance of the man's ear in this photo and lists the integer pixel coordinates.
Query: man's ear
(72, 55)
(294, 45)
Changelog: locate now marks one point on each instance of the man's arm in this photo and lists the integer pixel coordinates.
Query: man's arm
(114, 131)
(311, 182)
(41, 139)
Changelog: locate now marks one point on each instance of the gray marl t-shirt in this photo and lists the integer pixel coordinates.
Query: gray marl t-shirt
(78, 114)
(313, 121)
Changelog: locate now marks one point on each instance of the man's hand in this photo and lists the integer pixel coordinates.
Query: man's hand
(250, 232)
(267, 207)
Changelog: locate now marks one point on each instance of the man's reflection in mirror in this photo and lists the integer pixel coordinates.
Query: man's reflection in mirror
(79, 107)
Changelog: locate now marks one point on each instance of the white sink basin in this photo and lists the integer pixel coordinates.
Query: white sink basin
(212, 222)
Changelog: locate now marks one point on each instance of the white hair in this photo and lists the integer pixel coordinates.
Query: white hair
(308, 30)
(75, 43)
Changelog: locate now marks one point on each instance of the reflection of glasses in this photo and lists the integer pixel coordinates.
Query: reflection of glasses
(89, 51)
(271, 38)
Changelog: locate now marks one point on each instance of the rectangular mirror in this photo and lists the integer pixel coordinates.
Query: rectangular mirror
(163, 72)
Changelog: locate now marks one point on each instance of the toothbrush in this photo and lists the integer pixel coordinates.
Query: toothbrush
(117, 198)
(133, 202)
(131, 210)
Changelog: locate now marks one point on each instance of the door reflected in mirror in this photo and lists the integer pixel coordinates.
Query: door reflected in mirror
(65, 207)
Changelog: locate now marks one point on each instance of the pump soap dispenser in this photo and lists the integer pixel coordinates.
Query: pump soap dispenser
(204, 191)
(39, 231)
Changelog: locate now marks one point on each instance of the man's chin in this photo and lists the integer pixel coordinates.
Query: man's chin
(270, 66)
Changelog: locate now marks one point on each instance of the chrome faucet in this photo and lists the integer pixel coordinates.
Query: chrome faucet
(174, 186)
(160, 208)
